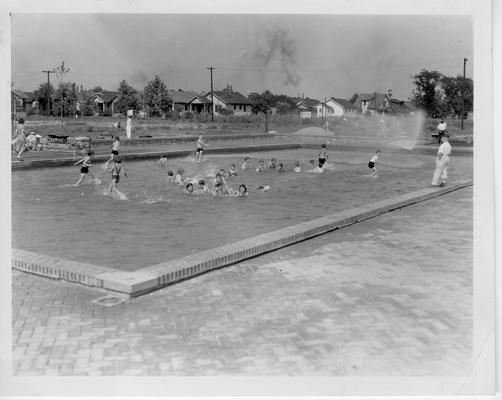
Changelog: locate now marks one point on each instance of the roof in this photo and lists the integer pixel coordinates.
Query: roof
(21, 94)
(231, 97)
(107, 96)
(180, 96)
(202, 99)
(344, 103)
(308, 102)
(396, 106)
(368, 97)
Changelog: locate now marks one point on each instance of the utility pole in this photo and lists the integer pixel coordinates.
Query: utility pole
(463, 100)
(49, 90)
(212, 97)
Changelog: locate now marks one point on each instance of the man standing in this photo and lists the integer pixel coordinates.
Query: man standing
(441, 130)
(443, 158)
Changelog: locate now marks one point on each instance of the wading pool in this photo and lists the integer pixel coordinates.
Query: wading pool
(160, 222)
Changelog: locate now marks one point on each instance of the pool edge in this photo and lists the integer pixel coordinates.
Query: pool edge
(159, 275)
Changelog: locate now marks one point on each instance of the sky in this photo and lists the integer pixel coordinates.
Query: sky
(312, 55)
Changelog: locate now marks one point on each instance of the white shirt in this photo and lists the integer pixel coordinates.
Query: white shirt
(374, 159)
(445, 149)
(442, 126)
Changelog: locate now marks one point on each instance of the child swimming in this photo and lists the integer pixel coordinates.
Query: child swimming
(170, 176)
(189, 188)
(163, 161)
(179, 176)
(297, 167)
(245, 164)
(280, 167)
(261, 166)
(115, 170)
(232, 171)
(241, 192)
(84, 170)
(313, 168)
(372, 164)
(272, 163)
(202, 188)
(220, 186)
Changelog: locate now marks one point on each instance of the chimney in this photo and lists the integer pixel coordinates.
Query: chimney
(389, 93)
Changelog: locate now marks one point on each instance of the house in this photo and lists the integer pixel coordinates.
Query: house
(370, 102)
(106, 102)
(22, 102)
(342, 107)
(184, 101)
(230, 101)
(323, 110)
(306, 107)
(396, 107)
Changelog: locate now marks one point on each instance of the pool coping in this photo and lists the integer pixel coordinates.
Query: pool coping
(157, 276)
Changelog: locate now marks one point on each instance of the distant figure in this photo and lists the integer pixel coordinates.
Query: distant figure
(272, 163)
(443, 158)
(261, 166)
(129, 124)
(245, 164)
(20, 140)
(170, 176)
(115, 170)
(84, 170)
(163, 161)
(372, 164)
(441, 130)
(326, 126)
(232, 171)
(199, 149)
(115, 148)
(297, 167)
(116, 125)
(323, 157)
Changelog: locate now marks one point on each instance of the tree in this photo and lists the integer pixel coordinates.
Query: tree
(427, 95)
(65, 99)
(456, 89)
(97, 89)
(87, 105)
(156, 98)
(353, 98)
(260, 102)
(128, 98)
(41, 94)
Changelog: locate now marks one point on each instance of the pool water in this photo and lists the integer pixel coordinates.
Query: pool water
(159, 221)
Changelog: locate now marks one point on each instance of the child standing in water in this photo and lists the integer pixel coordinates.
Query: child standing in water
(179, 176)
(323, 157)
(170, 176)
(260, 166)
(232, 171)
(443, 158)
(163, 161)
(245, 164)
(372, 163)
(84, 170)
(115, 148)
(200, 148)
(115, 170)
(297, 167)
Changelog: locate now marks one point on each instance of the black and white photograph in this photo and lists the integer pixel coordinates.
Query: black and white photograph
(241, 194)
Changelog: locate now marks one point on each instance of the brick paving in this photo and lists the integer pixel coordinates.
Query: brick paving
(388, 296)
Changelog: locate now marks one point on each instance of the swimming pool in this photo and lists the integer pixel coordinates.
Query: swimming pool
(159, 222)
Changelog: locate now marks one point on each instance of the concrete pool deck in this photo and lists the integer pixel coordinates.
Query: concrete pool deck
(157, 276)
(389, 296)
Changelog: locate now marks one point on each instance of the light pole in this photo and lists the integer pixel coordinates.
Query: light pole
(463, 100)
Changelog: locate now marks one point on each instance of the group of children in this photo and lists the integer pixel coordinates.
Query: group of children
(219, 184)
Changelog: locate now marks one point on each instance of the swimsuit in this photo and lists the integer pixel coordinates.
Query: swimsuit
(116, 178)
(321, 162)
(115, 152)
(84, 170)
(371, 165)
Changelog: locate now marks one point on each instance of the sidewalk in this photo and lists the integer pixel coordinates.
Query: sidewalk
(388, 296)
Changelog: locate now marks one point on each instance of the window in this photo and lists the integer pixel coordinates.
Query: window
(244, 108)
(235, 106)
(240, 106)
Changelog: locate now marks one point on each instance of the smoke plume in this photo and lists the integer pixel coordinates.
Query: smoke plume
(279, 48)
